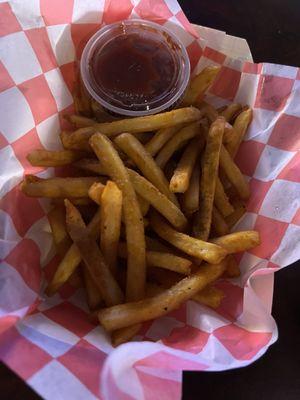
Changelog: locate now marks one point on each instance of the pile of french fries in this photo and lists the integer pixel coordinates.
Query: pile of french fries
(145, 224)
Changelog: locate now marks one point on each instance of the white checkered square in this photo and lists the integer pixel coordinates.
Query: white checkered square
(247, 89)
(61, 42)
(48, 132)
(250, 263)
(288, 250)
(8, 234)
(178, 30)
(293, 104)
(162, 327)
(203, 318)
(262, 124)
(87, 12)
(28, 13)
(13, 170)
(39, 233)
(245, 223)
(100, 339)
(59, 89)
(283, 71)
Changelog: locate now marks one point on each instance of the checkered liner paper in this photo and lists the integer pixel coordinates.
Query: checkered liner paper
(49, 342)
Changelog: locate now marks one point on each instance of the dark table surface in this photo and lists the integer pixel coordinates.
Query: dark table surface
(272, 29)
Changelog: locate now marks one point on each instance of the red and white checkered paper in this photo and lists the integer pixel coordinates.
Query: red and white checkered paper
(49, 342)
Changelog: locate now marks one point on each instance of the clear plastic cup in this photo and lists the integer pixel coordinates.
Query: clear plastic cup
(159, 91)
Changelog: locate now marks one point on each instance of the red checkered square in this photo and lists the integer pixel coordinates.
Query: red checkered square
(231, 306)
(187, 339)
(28, 267)
(258, 190)
(39, 97)
(80, 34)
(194, 51)
(5, 79)
(17, 204)
(8, 21)
(273, 92)
(227, 83)
(286, 133)
(3, 141)
(291, 172)
(71, 318)
(85, 361)
(242, 344)
(248, 164)
(39, 40)
(6, 323)
(155, 387)
(55, 13)
(68, 72)
(116, 10)
(23, 146)
(271, 233)
(188, 27)
(214, 55)
(22, 356)
(156, 11)
(251, 68)
(296, 219)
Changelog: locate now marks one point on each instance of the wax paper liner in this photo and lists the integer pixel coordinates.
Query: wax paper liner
(49, 342)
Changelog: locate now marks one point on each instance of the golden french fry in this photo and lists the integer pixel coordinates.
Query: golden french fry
(110, 223)
(208, 111)
(57, 187)
(123, 315)
(77, 140)
(144, 205)
(136, 261)
(136, 151)
(199, 84)
(123, 335)
(90, 165)
(221, 199)
(235, 216)
(210, 296)
(161, 259)
(161, 137)
(72, 258)
(218, 223)
(239, 129)
(76, 201)
(190, 199)
(45, 158)
(230, 110)
(189, 245)
(143, 137)
(210, 167)
(238, 241)
(181, 178)
(57, 221)
(80, 122)
(94, 298)
(232, 268)
(177, 142)
(92, 257)
(158, 200)
(233, 174)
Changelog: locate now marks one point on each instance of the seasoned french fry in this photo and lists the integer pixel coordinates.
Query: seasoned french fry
(221, 199)
(234, 217)
(123, 335)
(123, 315)
(45, 158)
(57, 187)
(208, 111)
(210, 296)
(199, 84)
(93, 258)
(189, 245)
(76, 201)
(177, 142)
(160, 138)
(110, 223)
(238, 241)
(72, 258)
(239, 129)
(230, 110)
(158, 200)
(136, 151)
(90, 165)
(77, 140)
(210, 166)
(232, 268)
(218, 223)
(233, 173)
(181, 178)
(57, 221)
(136, 261)
(94, 298)
(190, 199)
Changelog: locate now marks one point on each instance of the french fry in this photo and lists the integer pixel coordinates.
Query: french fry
(161, 137)
(136, 151)
(156, 245)
(177, 142)
(110, 223)
(161, 259)
(76, 201)
(230, 110)
(240, 127)
(93, 258)
(94, 298)
(143, 137)
(234, 217)
(194, 247)
(57, 187)
(221, 199)
(123, 315)
(100, 114)
(136, 261)
(45, 158)
(190, 199)
(210, 166)
(77, 140)
(72, 258)
(144, 205)
(238, 241)
(90, 165)
(80, 121)
(123, 335)
(181, 178)
(199, 84)
(234, 174)
(208, 111)
(232, 268)
(61, 238)
(218, 223)
(158, 200)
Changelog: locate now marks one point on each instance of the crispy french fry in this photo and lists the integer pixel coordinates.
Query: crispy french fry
(232, 268)
(218, 223)
(233, 173)
(199, 84)
(189, 245)
(234, 217)
(136, 261)
(230, 110)
(110, 223)
(136, 151)
(90, 165)
(57, 187)
(123, 335)
(208, 111)
(158, 200)
(238, 241)
(160, 138)
(210, 166)
(181, 178)
(93, 258)
(239, 129)
(45, 158)
(221, 199)
(57, 221)
(144, 205)
(210, 296)
(72, 258)
(80, 122)
(76, 201)
(132, 313)
(77, 140)
(177, 142)
(190, 199)
(94, 298)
